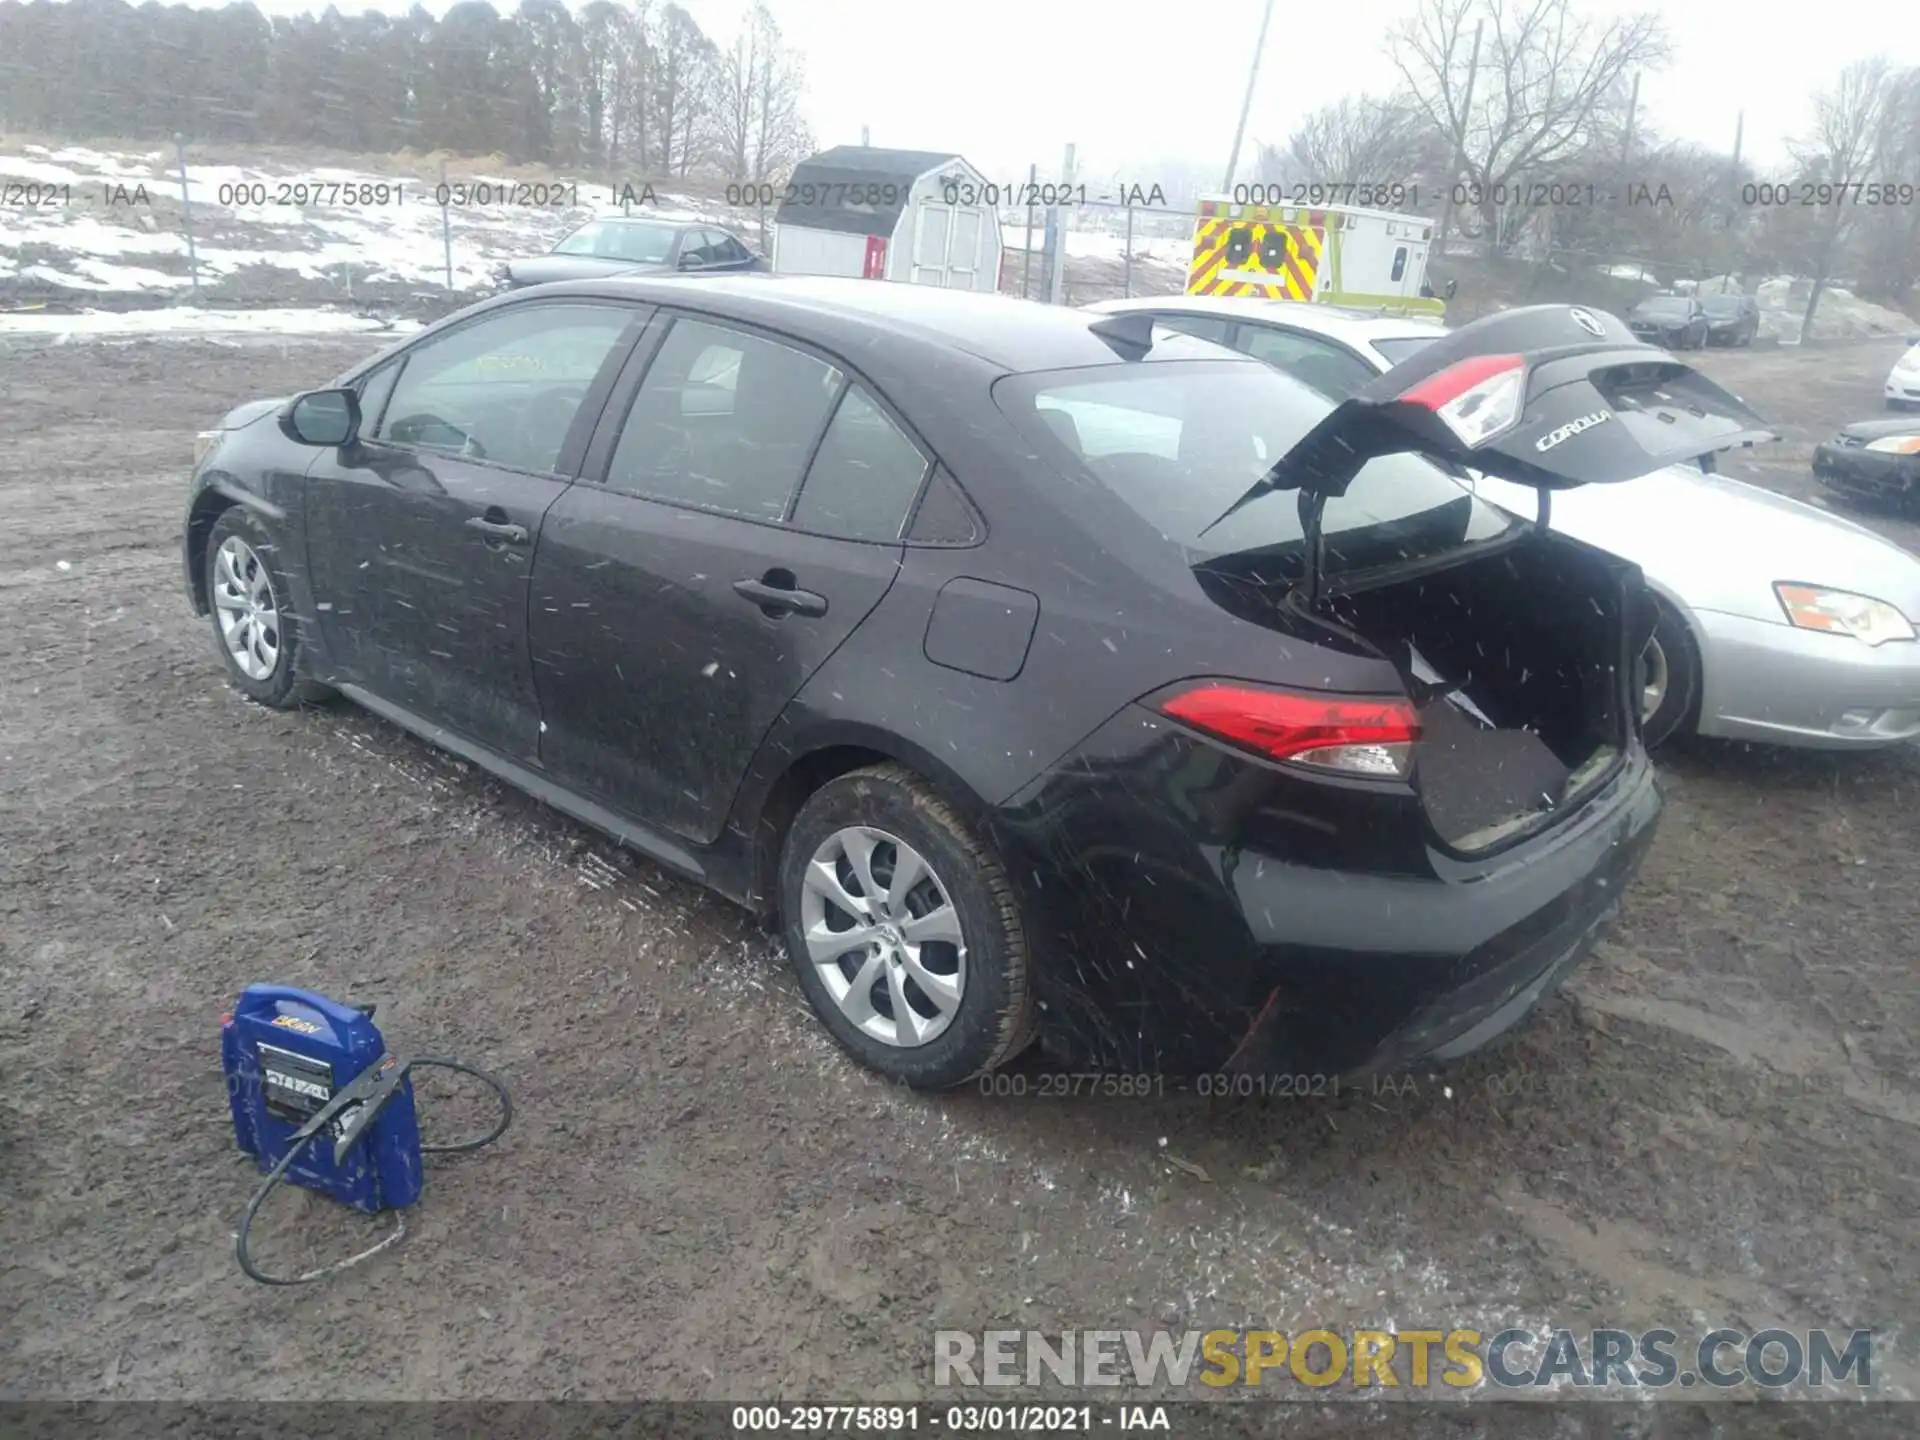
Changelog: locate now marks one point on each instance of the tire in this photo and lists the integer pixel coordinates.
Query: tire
(872, 813)
(1673, 660)
(249, 598)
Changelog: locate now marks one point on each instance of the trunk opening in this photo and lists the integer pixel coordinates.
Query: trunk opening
(1519, 663)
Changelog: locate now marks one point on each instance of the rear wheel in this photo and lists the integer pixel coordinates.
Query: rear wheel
(903, 930)
(247, 593)
(1670, 679)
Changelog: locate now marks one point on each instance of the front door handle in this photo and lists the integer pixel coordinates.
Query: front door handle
(776, 595)
(497, 529)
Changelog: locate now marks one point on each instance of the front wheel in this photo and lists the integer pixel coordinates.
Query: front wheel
(1670, 684)
(902, 927)
(258, 637)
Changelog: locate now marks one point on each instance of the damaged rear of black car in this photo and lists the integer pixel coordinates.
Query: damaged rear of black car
(1401, 819)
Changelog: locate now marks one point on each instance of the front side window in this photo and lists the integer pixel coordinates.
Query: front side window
(506, 388)
(1179, 442)
(724, 420)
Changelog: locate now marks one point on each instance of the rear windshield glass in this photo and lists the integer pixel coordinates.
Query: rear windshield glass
(1400, 347)
(1180, 442)
(620, 240)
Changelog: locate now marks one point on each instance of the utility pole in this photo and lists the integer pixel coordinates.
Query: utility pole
(1633, 105)
(1733, 179)
(1459, 145)
(1246, 105)
(863, 137)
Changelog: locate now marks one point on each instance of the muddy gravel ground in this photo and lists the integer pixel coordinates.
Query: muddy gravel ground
(1714, 1124)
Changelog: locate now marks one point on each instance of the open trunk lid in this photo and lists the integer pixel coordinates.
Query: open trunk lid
(1523, 709)
(1550, 396)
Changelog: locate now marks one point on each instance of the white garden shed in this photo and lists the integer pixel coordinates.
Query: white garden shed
(889, 215)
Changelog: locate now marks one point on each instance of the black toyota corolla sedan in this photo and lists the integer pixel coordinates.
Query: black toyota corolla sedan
(1034, 672)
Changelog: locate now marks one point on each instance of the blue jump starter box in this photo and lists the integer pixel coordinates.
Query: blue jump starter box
(287, 1053)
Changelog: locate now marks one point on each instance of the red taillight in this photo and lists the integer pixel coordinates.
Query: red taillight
(1478, 398)
(1355, 737)
(1454, 381)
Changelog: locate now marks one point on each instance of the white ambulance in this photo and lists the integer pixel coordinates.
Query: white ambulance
(1334, 254)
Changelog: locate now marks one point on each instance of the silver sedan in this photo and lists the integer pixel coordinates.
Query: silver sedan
(1778, 622)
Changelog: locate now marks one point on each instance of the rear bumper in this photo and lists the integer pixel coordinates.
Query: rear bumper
(1780, 685)
(1165, 945)
(1867, 474)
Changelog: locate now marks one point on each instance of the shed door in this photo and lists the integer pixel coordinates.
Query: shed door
(963, 251)
(933, 229)
(946, 246)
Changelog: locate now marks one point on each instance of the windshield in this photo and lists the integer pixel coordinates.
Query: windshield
(1721, 306)
(1663, 307)
(1401, 347)
(620, 240)
(1179, 442)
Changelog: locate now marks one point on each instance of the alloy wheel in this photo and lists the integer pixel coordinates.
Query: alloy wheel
(881, 929)
(1654, 693)
(244, 602)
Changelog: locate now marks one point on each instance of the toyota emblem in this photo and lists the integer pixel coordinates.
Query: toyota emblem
(1588, 321)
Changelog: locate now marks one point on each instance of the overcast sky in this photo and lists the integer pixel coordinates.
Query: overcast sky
(1006, 82)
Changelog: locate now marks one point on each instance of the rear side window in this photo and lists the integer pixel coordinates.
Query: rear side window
(1179, 443)
(1201, 327)
(724, 420)
(1327, 368)
(864, 479)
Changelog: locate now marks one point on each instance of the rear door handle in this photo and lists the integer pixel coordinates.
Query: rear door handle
(777, 599)
(499, 531)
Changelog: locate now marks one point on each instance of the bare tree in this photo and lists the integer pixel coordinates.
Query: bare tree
(1359, 140)
(1889, 233)
(1842, 151)
(780, 139)
(736, 87)
(681, 89)
(1548, 79)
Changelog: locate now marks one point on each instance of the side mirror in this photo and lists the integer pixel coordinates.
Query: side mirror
(1452, 286)
(322, 417)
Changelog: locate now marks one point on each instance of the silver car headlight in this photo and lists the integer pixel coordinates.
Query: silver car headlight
(1842, 613)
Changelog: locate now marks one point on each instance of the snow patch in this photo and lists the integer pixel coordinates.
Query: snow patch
(187, 321)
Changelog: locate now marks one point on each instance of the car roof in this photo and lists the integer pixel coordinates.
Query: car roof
(657, 221)
(859, 317)
(1336, 321)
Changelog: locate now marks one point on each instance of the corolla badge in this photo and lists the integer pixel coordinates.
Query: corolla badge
(1588, 321)
(1571, 429)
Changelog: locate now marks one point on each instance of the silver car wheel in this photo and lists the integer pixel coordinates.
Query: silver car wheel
(1658, 678)
(243, 601)
(881, 930)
